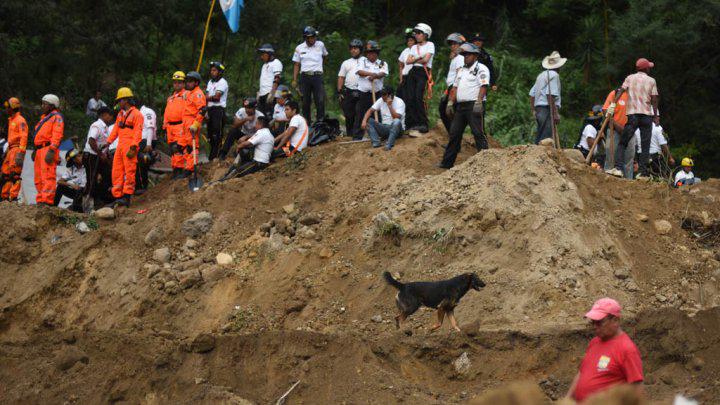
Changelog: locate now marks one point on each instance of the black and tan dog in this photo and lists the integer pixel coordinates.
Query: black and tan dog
(442, 295)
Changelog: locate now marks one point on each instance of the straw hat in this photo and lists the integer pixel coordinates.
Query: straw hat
(553, 61)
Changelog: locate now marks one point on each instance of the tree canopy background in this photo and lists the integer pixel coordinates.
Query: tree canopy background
(71, 48)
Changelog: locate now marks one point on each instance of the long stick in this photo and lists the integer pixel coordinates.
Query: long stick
(553, 127)
(281, 400)
(207, 25)
(601, 134)
(372, 87)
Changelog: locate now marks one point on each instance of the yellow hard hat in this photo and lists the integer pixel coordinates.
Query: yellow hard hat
(124, 92)
(178, 76)
(12, 102)
(687, 162)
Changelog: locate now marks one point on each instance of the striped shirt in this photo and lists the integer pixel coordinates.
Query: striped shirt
(640, 88)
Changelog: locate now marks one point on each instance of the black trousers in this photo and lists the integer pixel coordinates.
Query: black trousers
(416, 115)
(99, 184)
(233, 135)
(349, 107)
(635, 121)
(69, 192)
(215, 124)
(265, 107)
(400, 92)
(364, 103)
(463, 117)
(142, 178)
(441, 110)
(312, 88)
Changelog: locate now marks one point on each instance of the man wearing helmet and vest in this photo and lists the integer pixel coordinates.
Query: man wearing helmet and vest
(347, 89)
(173, 123)
(128, 131)
(193, 115)
(243, 125)
(456, 62)
(48, 132)
(17, 137)
(465, 105)
(216, 95)
(419, 78)
(308, 58)
(371, 73)
(269, 78)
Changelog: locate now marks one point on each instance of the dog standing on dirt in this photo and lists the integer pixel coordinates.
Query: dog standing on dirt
(442, 295)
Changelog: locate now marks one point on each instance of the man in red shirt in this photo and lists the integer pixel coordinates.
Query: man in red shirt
(611, 357)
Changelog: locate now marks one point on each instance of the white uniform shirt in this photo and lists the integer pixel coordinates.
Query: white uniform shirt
(681, 175)
(99, 132)
(588, 132)
(348, 70)
(397, 104)
(248, 128)
(75, 175)
(657, 140)
(264, 143)
(267, 76)
(310, 57)
(301, 126)
(279, 113)
(469, 80)
(94, 104)
(403, 58)
(364, 84)
(422, 50)
(455, 64)
(213, 87)
(149, 125)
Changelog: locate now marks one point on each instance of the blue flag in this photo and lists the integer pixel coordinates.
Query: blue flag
(231, 9)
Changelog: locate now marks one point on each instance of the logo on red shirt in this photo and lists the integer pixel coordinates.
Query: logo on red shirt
(603, 363)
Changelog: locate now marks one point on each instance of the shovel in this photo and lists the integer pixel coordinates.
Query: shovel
(195, 181)
(88, 202)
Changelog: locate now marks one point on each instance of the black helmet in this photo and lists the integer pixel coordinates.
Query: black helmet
(250, 102)
(218, 65)
(409, 33)
(194, 76)
(372, 46)
(309, 32)
(478, 36)
(266, 48)
(356, 43)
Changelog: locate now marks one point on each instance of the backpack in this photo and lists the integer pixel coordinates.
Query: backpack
(324, 131)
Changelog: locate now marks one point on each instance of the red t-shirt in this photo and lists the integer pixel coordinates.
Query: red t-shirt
(608, 363)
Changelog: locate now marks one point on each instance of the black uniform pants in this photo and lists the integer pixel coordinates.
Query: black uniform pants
(441, 110)
(233, 135)
(69, 192)
(265, 107)
(216, 121)
(364, 103)
(463, 117)
(142, 178)
(311, 87)
(416, 115)
(349, 106)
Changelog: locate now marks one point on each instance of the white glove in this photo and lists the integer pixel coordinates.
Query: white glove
(611, 109)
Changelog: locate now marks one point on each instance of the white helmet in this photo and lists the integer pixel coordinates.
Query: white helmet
(424, 28)
(52, 99)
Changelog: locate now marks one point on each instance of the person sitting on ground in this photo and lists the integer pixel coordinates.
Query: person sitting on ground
(392, 117)
(243, 125)
(611, 357)
(279, 119)
(659, 152)
(253, 152)
(686, 177)
(295, 137)
(589, 131)
(72, 183)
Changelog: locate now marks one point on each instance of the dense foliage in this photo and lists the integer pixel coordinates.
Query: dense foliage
(73, 47)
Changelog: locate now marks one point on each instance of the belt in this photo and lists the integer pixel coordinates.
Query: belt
(312, 73)
(43, 144)
(459, 103)
(175, 123)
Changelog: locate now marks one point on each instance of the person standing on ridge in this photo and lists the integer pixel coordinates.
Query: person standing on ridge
(456, 62)
(193, 115)
(17, 139)
(48, 133)
(216, 93)
(173, 123)
(128, 131)
(309, 57)
(269, 78)
(347, 89)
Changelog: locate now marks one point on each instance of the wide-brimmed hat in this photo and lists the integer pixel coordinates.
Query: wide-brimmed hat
(553, 61)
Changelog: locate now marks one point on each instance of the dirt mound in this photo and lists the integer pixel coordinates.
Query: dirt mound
(238, 291)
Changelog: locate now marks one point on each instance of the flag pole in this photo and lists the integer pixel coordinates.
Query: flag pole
(207, 25)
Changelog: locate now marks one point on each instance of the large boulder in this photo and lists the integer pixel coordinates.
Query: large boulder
(105, 213)
(197, 225)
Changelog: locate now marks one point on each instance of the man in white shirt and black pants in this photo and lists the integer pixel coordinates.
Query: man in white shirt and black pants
(243, 125)
(254, 151)
(308, 58)
(421, 58)
(216, 95)
(347, 88)
(456, 62)
(465, 104)
(269, 79)
(95, 154)
(371, 73)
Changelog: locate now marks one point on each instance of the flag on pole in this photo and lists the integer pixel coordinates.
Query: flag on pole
(231, 9)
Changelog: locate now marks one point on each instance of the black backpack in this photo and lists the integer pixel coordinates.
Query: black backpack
(324, 131)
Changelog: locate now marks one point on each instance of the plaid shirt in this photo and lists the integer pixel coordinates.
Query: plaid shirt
(640, 88)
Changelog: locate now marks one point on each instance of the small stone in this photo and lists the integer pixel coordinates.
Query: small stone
(105, 213)
(171, 287)
(326, 253)
(197, 225)
(622, 273)
(203, 343)
(660, 297)
(309, 219)
(547, 142)
(642, 217)
(153, 237)
(162, 255)
(223, 259)
(212, 274)
(68, 356)
(696, 363)
(462, 363)
(252, 254)
(82, 227)
(49, 319)
(662, 227)
(189, 278)
(191, 243)
(266, 227)
(376, 318)
(289, 209)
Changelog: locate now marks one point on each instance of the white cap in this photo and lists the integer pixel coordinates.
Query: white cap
(424, 28)
(52, 99)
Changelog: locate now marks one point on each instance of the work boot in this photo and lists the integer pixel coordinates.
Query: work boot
(122, 202)
(176, 173)
(184, 174)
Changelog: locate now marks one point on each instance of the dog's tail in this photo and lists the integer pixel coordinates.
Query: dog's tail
(390, 280)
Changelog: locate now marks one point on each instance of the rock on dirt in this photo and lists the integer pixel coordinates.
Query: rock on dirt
(622, 273)
(197, 225)
(68, 356)
(162, 255)
(642, 217)
(376, 319)
(154, 236)
(547, 142)
(223, 259)
(202, 343)
(462, 363)
(525, 393)
(213, 273)
(189, 278)
(191, 243)
(662, 227)
(326, 253)
(309, 219)
(289, 209)
(105, 213)
(82, 227)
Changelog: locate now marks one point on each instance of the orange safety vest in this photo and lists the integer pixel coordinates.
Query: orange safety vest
(195, 103)
(128, 127)
(174, 109)
(49, 132)
(17, 132)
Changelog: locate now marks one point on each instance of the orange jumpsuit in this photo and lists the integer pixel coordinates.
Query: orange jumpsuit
(48, 135)
(128, 127)
(194, 111)
(17, 143)
(173, 125)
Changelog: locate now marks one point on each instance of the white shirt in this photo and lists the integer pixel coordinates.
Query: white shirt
(279, 113)
(113, 145)
(588, 132)
(267, 76)
(348, 70)
(681, 175)
(310, 57)
(301, 126)
(455, 64)
(99, 132)
(149, 125)
(657, 140)
(541, 88)
(469, 80)
(397, 104)
(264, 143)
(94, 104)
(212, 88)
(403, 58)
(75, 175)
(422, 50)
(364, 84)
(248, 128)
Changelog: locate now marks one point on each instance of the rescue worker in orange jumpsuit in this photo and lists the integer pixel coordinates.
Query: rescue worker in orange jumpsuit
(17, 143)
(48, 132)
(193, 115)
(173, 123)
(128, 130)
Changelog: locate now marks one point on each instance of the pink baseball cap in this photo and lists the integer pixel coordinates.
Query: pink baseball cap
(602, 308)
(643, 63)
